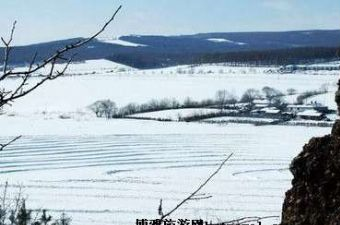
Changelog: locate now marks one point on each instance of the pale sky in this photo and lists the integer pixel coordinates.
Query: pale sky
(45, 20)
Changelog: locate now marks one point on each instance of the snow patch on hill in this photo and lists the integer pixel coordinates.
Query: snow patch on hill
(118, 41)
(98, 66)
(223, 40)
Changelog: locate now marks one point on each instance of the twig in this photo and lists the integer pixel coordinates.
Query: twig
(197, 190)
(245, 220)
(2, 146)
(8, 47)
(58, 54)
(8, 96)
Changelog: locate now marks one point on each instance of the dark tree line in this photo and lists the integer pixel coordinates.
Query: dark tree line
(273, 57)
(154, 59)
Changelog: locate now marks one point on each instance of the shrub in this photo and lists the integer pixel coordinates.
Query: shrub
(15, 212)
(250, 95)
(279, 103)
(104, 108)
(291, 91)
(271, 93)
(189, 103)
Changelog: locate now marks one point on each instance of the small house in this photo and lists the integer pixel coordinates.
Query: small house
(261, 103)
(311, 114)
(271, 112)
(300, 108)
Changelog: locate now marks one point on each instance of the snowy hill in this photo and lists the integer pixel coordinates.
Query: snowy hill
(161, 51)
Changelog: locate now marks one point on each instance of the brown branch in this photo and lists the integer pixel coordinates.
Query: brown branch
(20, 92)
(24, 79)
(201, 198)
(8, 96)
(246, 220)
(2, 146)
(33, 61)
(190, 197)
(8, 47)
(67, 48)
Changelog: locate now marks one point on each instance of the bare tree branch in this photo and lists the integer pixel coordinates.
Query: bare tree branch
(8, 47)
(58, 54)
(246, 220)
(2, 146)
(7, 96)
(192, 195)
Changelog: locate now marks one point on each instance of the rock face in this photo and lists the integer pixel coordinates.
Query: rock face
(337, 97)
(314, 198)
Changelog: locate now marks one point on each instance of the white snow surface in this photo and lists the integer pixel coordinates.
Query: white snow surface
(118, 41)
(121, 176)
(124, 85)
(325, 99)
(102, 171)
(223, 40)
(88, 67)
(309, 113)
(175, 114)
(226, 119)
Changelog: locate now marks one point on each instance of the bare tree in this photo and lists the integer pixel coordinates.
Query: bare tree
(250, 95)
(36, 69)
(221, 98)
(271, 93)
(291, 91)
(232, 100)
(104, 108)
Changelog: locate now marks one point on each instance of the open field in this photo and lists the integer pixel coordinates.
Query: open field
(114, 171)
(75, 93)
(116, 178)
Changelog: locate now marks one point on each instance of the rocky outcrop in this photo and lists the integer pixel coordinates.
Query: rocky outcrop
(337, 97)
(314, 198)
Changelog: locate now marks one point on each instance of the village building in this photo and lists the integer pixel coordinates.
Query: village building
(310, 114)
(272, 111)
(261, 103)
(302, 108)
(268, 112)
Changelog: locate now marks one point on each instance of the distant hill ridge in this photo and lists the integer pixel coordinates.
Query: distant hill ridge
(152, 51)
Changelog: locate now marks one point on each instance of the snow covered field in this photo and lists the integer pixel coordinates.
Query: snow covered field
(114, 171)
(226, 119)
(74, 93)
(117, 178)
(175, 114)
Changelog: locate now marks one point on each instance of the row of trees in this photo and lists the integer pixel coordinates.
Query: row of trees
(273, 57)
(108, 109)
(268, 93)
(223, 99)
(146, 58)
